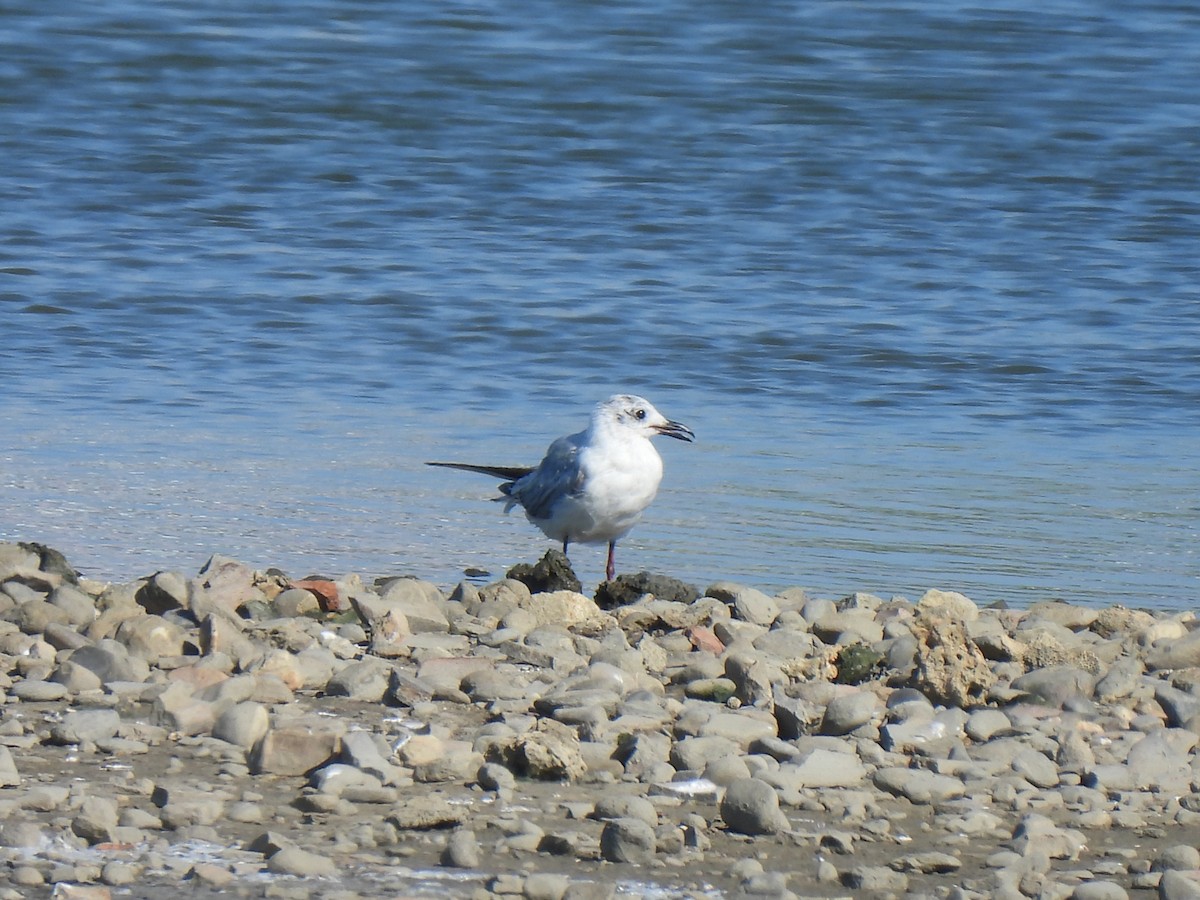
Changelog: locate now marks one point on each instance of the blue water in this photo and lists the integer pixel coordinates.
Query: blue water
(923, 280)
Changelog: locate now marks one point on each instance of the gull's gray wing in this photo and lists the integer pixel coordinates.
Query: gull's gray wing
(557, 476)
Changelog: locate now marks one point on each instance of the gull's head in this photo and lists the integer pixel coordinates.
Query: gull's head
(638, 415)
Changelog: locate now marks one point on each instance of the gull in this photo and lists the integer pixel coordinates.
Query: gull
(593, 486)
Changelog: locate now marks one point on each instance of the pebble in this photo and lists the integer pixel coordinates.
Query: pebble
(751, 806)
(627, 840)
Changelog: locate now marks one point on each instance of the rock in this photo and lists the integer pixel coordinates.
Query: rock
(462, 850)
(1056, 685)
(164, 592)
(546, 886)
(918, 785)
(567, 609)
(628, 841)
(419, 601)
(549, 754)
(9, 776)
(1161, 758)
(857, 663)
(627, 589)
(90, 725)
(1179, 856)
(749, 604)
(1179, 885)
(847, 712)
(621, 806)
(428, 812)
(243, 724)
(1038, 834)
(302, 863)
(819, 768)
(365, 681)
(1175, 652)
(96, 820)
(696, 752)
(985, 724)
(296, 601)
(222, 587)
(78, 607)
(34, 616)
(949, 605)
(40, 691)
(751, 806)
(875, 880)
(1099, 890)
(151, 637)
(950, 669)
(111, 662)
(293, 750)
(551, 573)
(1036, 768)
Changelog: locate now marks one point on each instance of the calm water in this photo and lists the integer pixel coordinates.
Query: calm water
(924, 281)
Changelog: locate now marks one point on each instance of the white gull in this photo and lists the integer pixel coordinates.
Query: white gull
(592, 487)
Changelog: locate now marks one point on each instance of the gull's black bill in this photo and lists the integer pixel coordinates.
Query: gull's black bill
(677, 430)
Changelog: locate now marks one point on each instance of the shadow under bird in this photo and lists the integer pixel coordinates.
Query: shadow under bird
(591, 487)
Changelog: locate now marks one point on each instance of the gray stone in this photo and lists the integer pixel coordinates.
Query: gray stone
(33, 616)
(546, 886)
(419, 601)
(111, 662)
(1056, 685)
(1038, 835)
(1180, 706)
(495, 777)
(1175, 653)
(462, 850)
(726, 770)
(695, 753)
(293, 750)
(751, 806)
(366, 681)
(9, 776)
(1099, 890)
(628, 841)
(819, 768)
(845, 713)
(96, 820)
(1161, 758)
(985, 724)
(302, 863)
(1179, 856)
(86, 725)
(751, 605)
(1179, 885)
(79, 608)
(918, 785)
(623, 806)
(875, 880)
(1036, 768)
(150, 637)
(36, 691)
(243, 724)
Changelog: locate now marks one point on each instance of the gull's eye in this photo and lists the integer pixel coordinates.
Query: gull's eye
(639, 414)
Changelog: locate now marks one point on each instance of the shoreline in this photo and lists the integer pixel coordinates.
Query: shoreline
(238, 733)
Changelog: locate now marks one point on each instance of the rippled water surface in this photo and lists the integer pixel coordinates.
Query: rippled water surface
(923, 280)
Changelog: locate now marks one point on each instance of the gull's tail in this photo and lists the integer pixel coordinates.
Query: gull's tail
(509, 473)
